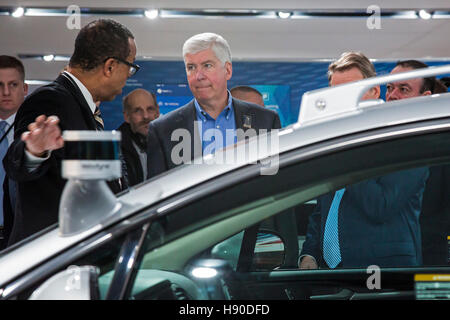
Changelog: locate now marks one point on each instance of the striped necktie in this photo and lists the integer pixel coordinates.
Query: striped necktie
(98, 119)
(3, 149)
(331, 248)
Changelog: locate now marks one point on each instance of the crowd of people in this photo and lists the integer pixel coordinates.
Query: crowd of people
(32, 146)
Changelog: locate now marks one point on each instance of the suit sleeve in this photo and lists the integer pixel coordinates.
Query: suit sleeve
(276, 122)
(396, 192)
(311, 246)
(14, 161)
(156, 162)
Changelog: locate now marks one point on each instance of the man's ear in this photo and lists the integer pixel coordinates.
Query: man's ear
(25, 89)
(125, 117)
(109, 66)
(372, 93)
(228, 70)
(426, 93)
(376, 92)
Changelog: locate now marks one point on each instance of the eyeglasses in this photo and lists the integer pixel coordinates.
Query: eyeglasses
(133, 67)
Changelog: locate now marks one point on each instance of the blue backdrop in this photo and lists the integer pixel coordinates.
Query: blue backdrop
(284, 82)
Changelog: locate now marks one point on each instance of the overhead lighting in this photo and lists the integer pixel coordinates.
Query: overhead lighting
(48, 57)
(219, 13)
(424, 14)
(151, 14)
(284, 15)
(18, 12)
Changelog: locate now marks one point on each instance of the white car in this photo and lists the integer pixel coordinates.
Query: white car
(218, 231)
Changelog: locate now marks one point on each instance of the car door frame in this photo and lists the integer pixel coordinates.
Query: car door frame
(338, 284)
(150, 213)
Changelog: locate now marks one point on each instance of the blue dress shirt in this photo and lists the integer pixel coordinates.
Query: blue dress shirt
(216, 133)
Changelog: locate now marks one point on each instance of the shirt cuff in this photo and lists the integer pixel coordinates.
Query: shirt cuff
(32, 162)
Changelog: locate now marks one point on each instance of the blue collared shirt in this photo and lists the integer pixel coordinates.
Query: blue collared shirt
(216, 133)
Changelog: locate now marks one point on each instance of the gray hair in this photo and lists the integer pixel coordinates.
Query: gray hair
(204, 41)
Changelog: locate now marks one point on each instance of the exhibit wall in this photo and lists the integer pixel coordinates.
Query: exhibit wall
(281, 83)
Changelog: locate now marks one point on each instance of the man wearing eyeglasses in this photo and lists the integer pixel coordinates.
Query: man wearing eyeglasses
(101, 63)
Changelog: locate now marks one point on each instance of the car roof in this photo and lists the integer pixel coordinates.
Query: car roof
(352, 120)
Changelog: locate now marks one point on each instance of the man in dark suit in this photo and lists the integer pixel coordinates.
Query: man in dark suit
(98, 69)
(435, 216)
(374, 222)
(378, 222)
(207, 120)
(13, 90)
(139, 109)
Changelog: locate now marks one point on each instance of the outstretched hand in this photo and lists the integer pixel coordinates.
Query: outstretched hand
(44, 135)
(308, 262)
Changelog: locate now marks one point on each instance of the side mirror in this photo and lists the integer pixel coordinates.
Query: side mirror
(74, 283)
(269, 251)
(213, 275)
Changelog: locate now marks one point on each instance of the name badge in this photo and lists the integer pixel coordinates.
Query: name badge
(247, 122)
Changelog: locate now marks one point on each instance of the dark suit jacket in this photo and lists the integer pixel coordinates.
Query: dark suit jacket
(378, 222)
(435, 217)
(160, 131)
(131, 157)
(9, 204)
(39, 192)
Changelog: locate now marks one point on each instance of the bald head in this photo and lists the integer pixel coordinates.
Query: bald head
(248, 94)
(139, 108)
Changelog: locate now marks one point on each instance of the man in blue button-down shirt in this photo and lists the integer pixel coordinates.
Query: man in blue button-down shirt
(214, 131)
(212, 117)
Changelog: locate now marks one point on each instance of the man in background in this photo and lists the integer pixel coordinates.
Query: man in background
(435, 215)
(373, 222)
(139, 109)
(412, 87)
(13, 90)
(247, 93)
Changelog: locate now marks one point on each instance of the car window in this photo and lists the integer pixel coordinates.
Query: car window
(395, 220)
(229, 249)
(392, 217)
(104, 257)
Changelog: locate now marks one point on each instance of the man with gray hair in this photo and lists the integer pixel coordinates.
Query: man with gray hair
(207, 58)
